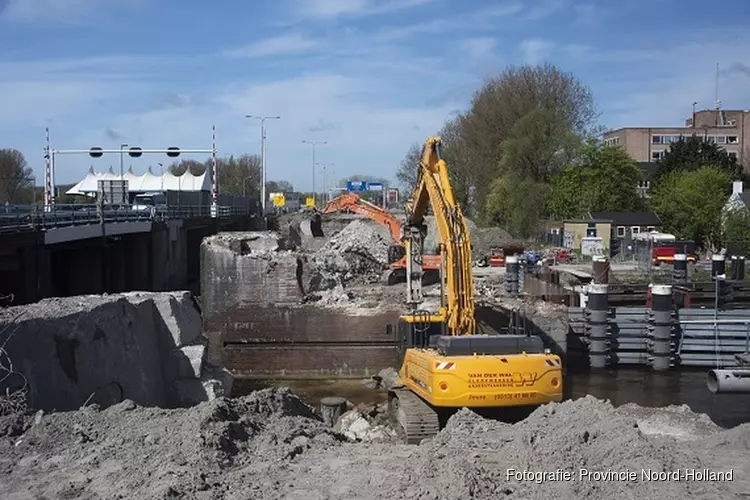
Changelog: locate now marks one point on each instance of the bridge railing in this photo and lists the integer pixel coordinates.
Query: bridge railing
(15, 218)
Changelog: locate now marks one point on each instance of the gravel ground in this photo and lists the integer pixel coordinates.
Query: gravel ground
(269, 445)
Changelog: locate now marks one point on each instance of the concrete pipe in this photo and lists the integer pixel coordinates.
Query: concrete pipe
(729, 381)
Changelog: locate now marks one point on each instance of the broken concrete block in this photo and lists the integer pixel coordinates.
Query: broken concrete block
(192, 391)
(188, 361)
(179, 316)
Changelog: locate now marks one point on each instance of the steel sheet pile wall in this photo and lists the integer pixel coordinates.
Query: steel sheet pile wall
(695, 340)
(257, 324)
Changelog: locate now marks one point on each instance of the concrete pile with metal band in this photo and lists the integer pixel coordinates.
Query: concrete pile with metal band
(600, 269)
(660, 327)
(680, 272)
(597, 325)
(738, 267)
(718, 265)
(511, 274)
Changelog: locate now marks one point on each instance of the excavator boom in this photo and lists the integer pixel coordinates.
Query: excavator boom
(445, 363)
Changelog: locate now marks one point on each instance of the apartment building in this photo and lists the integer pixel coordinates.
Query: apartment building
(729, 129)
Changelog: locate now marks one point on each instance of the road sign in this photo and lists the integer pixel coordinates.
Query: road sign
(352, 186)
(310, 202)
(374, 186)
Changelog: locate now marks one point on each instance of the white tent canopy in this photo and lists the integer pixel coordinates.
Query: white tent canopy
(146, 183)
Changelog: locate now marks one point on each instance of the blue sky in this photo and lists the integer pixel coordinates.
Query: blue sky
(370, 77)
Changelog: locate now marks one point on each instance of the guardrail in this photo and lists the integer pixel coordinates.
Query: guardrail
(33, 218)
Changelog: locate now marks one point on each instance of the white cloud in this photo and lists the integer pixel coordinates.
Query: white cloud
(331, 9)
(479, 48)
(363, 134)
(279, 45)
(534, 50)
(660, 90)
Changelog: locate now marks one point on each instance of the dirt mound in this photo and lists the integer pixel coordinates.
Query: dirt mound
(270, 445)
(128, 451)
(585, 434)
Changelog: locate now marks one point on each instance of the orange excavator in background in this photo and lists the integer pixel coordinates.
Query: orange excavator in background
(352, 202)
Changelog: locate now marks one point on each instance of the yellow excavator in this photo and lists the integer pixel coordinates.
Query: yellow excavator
(445, 363)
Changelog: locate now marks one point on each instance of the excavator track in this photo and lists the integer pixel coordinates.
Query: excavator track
(413, 419)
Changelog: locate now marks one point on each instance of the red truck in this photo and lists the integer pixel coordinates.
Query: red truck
(662, 247)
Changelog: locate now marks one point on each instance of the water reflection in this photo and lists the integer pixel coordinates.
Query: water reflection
(645, 388)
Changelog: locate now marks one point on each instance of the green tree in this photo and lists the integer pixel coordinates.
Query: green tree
(691, 204)
(516, 204)
(603, 179)
(736, 230)
(540, 144)
(239, 175)
(16, 177)
(690, 153)
(505, 99)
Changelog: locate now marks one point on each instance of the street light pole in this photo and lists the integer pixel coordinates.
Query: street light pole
(262, 156)
(122, 173)
(325, 184)
(314, 143)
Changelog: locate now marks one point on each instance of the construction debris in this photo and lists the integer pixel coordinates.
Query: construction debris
(271, 445)
(358, 253)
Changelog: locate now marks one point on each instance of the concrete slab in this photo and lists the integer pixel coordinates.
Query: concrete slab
(188, 361)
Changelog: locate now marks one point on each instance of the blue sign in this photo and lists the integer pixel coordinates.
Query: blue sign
(375, 186)
(352, 186)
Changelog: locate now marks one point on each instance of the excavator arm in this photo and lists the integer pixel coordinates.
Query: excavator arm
(353, 203)
(433, 190)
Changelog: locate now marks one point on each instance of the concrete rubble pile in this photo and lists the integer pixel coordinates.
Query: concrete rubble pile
(104, 348)
(359, 252)
(270, 445)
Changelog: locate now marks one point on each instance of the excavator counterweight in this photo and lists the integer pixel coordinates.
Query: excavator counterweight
(445, 363)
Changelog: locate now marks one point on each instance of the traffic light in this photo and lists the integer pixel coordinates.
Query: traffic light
(135, 152)
(95, 152)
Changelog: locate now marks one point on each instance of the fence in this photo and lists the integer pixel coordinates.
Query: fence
(699, 337)
(33, 218)
(549, 292)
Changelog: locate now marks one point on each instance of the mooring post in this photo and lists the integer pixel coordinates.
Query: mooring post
(597, 325)
(660, 327)
(680, 273)
(718, 265)
(511, 274)
(331, 409)
(600, 269)
(741, 268)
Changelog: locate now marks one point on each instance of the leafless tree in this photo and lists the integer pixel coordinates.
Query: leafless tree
(16, 177)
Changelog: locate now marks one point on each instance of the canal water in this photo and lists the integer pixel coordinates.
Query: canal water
(620, 387)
